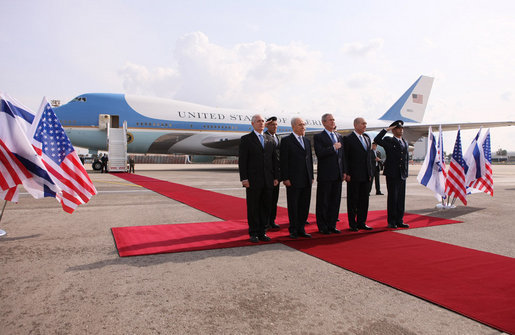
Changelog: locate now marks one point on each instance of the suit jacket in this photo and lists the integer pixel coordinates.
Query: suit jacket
(296, 162)
(277, 146)
(357, 159)
(377, 164)
(330, 161)
(256, 164)
(397, 155)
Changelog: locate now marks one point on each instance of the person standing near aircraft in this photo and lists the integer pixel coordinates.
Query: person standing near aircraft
(131, 163)
(297, 176)
(396, 171)
(359, 171)
(259, 173)
(104, 159)
(271, 125)
(330, 175)
(377, 163)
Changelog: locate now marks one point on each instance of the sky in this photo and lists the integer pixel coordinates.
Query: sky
(349, 58)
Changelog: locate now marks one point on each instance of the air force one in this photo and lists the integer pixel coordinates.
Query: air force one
(164, 126)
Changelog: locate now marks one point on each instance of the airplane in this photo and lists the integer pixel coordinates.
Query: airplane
(164, 126)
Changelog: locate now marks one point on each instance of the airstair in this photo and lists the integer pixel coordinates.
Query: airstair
(117, 148)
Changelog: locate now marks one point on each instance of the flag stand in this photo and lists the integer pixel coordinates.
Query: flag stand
(445, 204)
(3, 232)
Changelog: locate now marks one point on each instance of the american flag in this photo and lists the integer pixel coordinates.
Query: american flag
(455, 183)
(12, 173)
(486, 183)
(418, 98)
(61, 159)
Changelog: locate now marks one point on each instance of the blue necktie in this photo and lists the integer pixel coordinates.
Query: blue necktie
(363, 142)
(301, 142)
(262, 140)
(333, 138)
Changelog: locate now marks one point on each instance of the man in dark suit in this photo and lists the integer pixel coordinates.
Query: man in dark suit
(271, 125)
(259, 173)
(377, 162)
(359, 171)
(396, 171)
(330, 175)
(297, 176)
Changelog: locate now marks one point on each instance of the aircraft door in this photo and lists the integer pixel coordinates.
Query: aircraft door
(115, 121)
(105, 119)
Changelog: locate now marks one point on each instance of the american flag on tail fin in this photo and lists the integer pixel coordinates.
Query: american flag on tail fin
(61, 159)
(455, 183)
(485, 183)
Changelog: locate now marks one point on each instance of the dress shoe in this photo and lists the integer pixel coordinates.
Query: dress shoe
(274, 225)
(379, 193)
(354, 229)
(293, 236)
(264, 238)
(335, 231)
(365, 227)
(392, 226)
(325, 232)
(402, 225)
(254, 239)
(305, 235)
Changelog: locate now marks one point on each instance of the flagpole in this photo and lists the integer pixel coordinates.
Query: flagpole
(3, 232)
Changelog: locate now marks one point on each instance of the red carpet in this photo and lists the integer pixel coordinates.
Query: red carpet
(477, 284)
(146, 240)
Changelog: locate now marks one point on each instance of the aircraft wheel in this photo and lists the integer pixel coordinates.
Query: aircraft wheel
(97, 166)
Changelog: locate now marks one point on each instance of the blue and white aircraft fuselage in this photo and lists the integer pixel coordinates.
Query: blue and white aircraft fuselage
(164, 126)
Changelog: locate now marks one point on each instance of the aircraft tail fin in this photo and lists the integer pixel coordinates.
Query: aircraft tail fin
(412, 104)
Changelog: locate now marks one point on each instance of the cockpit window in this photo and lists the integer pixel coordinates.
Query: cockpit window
(80, 99)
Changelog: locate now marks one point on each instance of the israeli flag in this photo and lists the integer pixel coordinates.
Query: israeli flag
(431, 173)
(475, 160)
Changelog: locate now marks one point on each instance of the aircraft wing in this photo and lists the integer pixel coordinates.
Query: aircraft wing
(412, 132)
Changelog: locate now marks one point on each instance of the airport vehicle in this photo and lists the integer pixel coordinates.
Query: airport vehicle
(156, 125)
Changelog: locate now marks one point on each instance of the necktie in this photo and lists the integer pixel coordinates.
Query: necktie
(301, 142)
(262, 140)
(401, 143)
(276, 140)
(333, 138)
(363, 142)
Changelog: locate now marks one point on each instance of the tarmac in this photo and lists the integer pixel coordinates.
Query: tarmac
(61, 273)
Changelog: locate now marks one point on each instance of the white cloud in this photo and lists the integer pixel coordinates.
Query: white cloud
(257, 74)
(137, 79)
(507, 96)
(358, 49)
